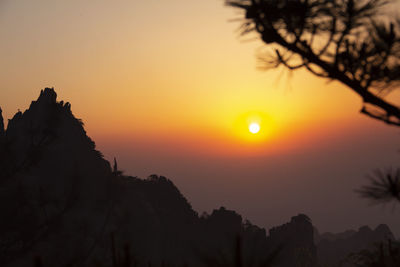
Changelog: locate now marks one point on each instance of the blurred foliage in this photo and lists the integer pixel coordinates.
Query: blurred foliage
(382, 255)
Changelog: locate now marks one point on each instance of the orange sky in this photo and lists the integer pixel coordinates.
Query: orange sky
(175, 68)
(170, 77)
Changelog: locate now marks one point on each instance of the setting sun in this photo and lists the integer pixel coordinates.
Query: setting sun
(254, 128)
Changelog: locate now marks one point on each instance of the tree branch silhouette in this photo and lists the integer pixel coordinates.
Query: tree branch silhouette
(353, 42)
(384, 187)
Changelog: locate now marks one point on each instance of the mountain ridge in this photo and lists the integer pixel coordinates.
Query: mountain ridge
(52, 177)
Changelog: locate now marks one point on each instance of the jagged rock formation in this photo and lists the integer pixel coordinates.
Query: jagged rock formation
(332, 249)
(53, 185)
(296, 240)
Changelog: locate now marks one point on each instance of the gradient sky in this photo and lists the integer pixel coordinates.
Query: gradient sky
(167, 87)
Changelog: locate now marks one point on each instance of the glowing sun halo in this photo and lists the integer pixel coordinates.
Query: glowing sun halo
(254, 128)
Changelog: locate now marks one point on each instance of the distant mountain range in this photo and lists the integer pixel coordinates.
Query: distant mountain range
(333, 248)
(63, 204)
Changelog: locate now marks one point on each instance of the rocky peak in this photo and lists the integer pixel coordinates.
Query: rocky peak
(229, 219)
(48, 95)
(47, 104)
(297, 240)
(44, 125)
(301, 219)
(297, 223)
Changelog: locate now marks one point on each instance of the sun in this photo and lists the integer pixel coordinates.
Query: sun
(254, 128)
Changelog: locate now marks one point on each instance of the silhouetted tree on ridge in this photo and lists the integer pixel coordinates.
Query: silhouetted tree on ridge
(354, 42)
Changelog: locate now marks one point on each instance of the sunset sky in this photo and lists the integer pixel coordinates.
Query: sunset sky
(169, 87)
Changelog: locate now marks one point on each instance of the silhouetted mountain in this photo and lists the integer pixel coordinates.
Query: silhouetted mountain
(296, 240)
(55, 187)
(330, 236)
(333, 248)
(60, 200)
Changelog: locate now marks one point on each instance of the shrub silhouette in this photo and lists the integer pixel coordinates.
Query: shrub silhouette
(383, 255)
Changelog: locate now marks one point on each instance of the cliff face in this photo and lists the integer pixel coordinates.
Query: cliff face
(333, 248)
(54, 185)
